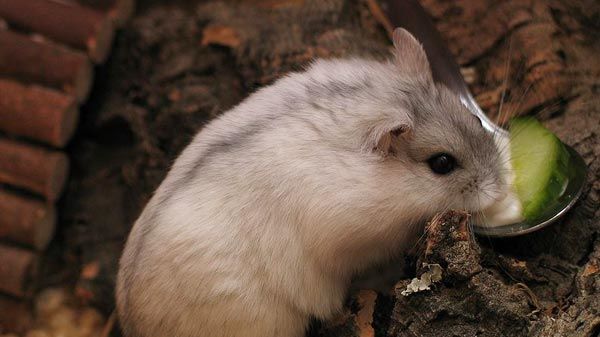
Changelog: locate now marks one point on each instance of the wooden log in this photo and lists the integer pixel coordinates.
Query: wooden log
(18, 267)
(33, 168)
(120, 11)
(74, 25)
(45, 63)
(15, 315)
(26, 220)
(38, 113)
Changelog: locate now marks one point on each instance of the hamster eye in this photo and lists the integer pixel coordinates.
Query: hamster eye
(442, 163)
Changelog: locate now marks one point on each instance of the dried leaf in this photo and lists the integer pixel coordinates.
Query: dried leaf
(590, 269)
(90, 270)
(364, 317)
(221, 35)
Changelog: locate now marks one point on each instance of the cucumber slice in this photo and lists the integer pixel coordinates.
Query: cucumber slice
(540, 163)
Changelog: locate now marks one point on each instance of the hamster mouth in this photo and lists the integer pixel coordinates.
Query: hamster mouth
(505, 208)
(503, 211)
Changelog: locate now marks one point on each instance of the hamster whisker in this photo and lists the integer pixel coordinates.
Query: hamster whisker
(536, 114)
(421, 238)
(479, 212)
(547, 108)
(521, 70)
(487, 238)
(505, 82)
(521, 99)
(487, 193)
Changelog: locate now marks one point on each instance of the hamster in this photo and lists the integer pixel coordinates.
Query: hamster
(267, 215)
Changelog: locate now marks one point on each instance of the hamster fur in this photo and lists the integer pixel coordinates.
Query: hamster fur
(275, 205)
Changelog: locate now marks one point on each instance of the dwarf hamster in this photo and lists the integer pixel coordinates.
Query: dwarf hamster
(267, 215)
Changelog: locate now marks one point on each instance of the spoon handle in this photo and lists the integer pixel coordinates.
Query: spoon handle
(410, 15)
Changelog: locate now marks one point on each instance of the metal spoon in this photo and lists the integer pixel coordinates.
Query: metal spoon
(410, 15)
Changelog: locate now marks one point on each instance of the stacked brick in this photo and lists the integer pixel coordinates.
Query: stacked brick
(48, 49)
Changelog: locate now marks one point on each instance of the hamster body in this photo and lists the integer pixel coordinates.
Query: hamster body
(275, 205)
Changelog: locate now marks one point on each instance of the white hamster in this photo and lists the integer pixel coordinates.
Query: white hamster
(275, 205)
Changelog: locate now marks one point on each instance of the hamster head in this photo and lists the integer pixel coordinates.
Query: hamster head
(424, 145)
(458, 159)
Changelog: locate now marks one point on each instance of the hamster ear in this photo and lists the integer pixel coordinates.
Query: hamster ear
(382, 138)
(410, 56)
